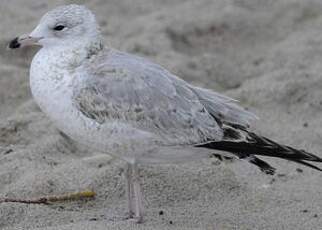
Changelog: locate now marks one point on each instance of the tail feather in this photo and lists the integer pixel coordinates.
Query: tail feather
(262, 165)
(254, 144)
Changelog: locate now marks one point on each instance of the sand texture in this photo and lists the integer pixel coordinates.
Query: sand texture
(265, 53)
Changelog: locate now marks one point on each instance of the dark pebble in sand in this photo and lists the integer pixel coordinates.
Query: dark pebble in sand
(161, 213)
(305, 124)
(8, 151)
(281, 175)
(299, 170)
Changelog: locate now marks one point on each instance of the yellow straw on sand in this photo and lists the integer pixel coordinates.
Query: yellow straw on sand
(48, 199)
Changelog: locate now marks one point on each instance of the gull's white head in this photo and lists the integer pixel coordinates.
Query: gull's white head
(61, 26)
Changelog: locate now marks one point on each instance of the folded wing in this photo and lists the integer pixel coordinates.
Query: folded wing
(134, 91)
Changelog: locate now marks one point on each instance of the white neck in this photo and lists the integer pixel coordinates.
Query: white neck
(72, 53)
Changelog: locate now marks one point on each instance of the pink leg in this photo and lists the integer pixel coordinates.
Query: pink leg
(138, 202)
(129, 189)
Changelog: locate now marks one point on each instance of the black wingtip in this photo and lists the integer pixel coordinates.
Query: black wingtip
(258, 145)
(308, 165)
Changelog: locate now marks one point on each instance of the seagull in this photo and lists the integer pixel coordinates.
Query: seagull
(131, 108)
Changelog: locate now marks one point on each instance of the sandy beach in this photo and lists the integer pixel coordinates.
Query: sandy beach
(265, 53)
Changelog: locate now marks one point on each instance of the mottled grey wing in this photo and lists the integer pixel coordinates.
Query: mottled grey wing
(134, 91)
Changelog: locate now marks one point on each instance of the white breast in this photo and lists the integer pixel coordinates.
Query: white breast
(48, 85)
(51, 87)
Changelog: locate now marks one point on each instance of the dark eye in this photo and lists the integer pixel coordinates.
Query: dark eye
(59, 27)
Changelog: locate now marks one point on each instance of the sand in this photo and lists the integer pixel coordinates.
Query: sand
(265, 53)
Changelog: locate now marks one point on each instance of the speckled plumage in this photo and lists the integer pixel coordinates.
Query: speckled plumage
(122, 104)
